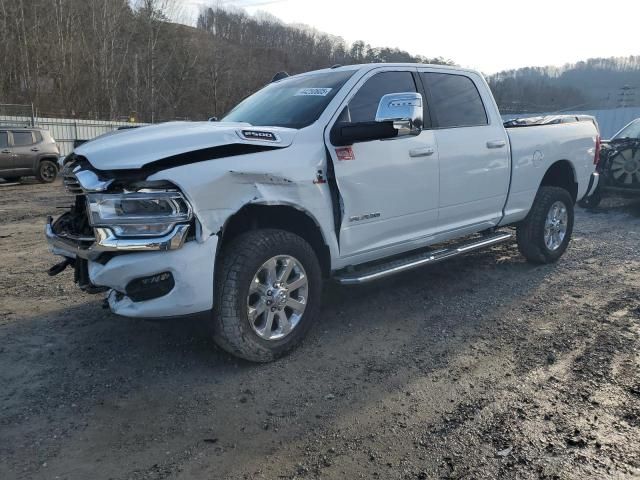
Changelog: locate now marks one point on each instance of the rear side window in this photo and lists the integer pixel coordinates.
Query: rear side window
(38, 136)
(4, 140)
(455, 100)
(364, 105)
(21, 139)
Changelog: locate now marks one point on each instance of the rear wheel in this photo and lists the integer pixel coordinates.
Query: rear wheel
(268, 288)
(545, 234)
(47, 171)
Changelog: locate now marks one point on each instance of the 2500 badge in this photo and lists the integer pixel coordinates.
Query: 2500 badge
(366, 216)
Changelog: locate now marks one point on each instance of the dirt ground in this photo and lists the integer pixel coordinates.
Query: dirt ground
(483, 367)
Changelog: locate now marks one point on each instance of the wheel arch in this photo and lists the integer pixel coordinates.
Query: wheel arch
(49, 158)
(561, 174)
(283, 216)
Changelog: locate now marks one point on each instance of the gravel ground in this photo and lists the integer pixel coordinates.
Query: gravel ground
(482, 367)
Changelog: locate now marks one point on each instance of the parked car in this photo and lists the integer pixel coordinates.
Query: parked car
(350, 173)
(26, 152)
(619, 166)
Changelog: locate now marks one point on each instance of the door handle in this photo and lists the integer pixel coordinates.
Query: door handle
(496, 144)
(421, 152)
(35, 149)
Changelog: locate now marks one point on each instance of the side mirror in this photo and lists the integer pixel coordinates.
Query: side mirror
(404, 110)
(346, 133)
(399, 114)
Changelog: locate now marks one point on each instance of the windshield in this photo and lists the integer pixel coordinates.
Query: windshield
(295, 102)
(630, 131)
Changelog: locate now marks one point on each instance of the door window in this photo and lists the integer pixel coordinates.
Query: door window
(4, 140)
(455, 100)
(364, 105)
(22, 139)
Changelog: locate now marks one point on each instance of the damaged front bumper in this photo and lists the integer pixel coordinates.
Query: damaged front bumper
(90, 248)
(146, 277)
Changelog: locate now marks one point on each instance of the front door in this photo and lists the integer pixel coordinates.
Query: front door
(388, 188)
(6, 155)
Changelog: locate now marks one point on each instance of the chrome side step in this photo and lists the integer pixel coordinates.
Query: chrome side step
(410, 262)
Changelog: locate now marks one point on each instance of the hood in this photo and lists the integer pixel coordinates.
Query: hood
(175, 143)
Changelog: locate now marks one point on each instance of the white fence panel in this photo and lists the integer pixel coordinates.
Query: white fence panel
(67, 130)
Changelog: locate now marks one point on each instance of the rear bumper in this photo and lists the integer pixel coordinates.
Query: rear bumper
(594, 180)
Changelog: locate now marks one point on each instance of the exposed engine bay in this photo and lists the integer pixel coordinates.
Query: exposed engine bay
(620, 164)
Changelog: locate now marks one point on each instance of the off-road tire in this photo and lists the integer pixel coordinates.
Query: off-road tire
(530, 232)
(238, 263)
(45, 167)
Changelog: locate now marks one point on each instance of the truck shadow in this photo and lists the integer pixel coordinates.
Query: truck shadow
(618, 205)
(124, 378)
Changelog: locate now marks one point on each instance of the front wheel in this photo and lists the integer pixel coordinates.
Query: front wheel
(544, 235)
(268, 288)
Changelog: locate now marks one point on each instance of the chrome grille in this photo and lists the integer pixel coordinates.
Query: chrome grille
(71, 183)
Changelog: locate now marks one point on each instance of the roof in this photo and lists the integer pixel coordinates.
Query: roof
(372, 66)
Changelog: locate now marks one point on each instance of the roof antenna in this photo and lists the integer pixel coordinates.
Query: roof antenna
(337, 65)
(279, 76)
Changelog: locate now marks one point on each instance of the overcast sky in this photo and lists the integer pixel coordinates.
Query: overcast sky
(488, 35)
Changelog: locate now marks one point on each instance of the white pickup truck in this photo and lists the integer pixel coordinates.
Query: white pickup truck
(351, 173)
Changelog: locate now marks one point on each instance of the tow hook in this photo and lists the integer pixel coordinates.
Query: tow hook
(59, 267)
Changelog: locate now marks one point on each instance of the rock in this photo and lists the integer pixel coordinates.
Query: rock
(576, 442)
(505, 452)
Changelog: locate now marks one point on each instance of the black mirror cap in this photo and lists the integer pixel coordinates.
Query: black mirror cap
(344, 133)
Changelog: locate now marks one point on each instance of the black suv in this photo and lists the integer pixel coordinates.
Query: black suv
(28, 151)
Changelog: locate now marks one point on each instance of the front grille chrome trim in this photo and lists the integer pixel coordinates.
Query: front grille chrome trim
(71, 184)
(107, 241)
(79, 181)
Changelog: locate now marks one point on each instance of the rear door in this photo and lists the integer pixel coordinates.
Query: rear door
(24, 149)
(388, 188)
(6, 155)
(473, 150)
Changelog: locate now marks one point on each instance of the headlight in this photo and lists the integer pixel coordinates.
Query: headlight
(146, 213)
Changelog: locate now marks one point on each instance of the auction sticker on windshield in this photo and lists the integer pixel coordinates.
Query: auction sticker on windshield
(313, 92)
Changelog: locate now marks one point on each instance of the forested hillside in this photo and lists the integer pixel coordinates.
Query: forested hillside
(594, 83)
(113, 59)
(108, 59)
